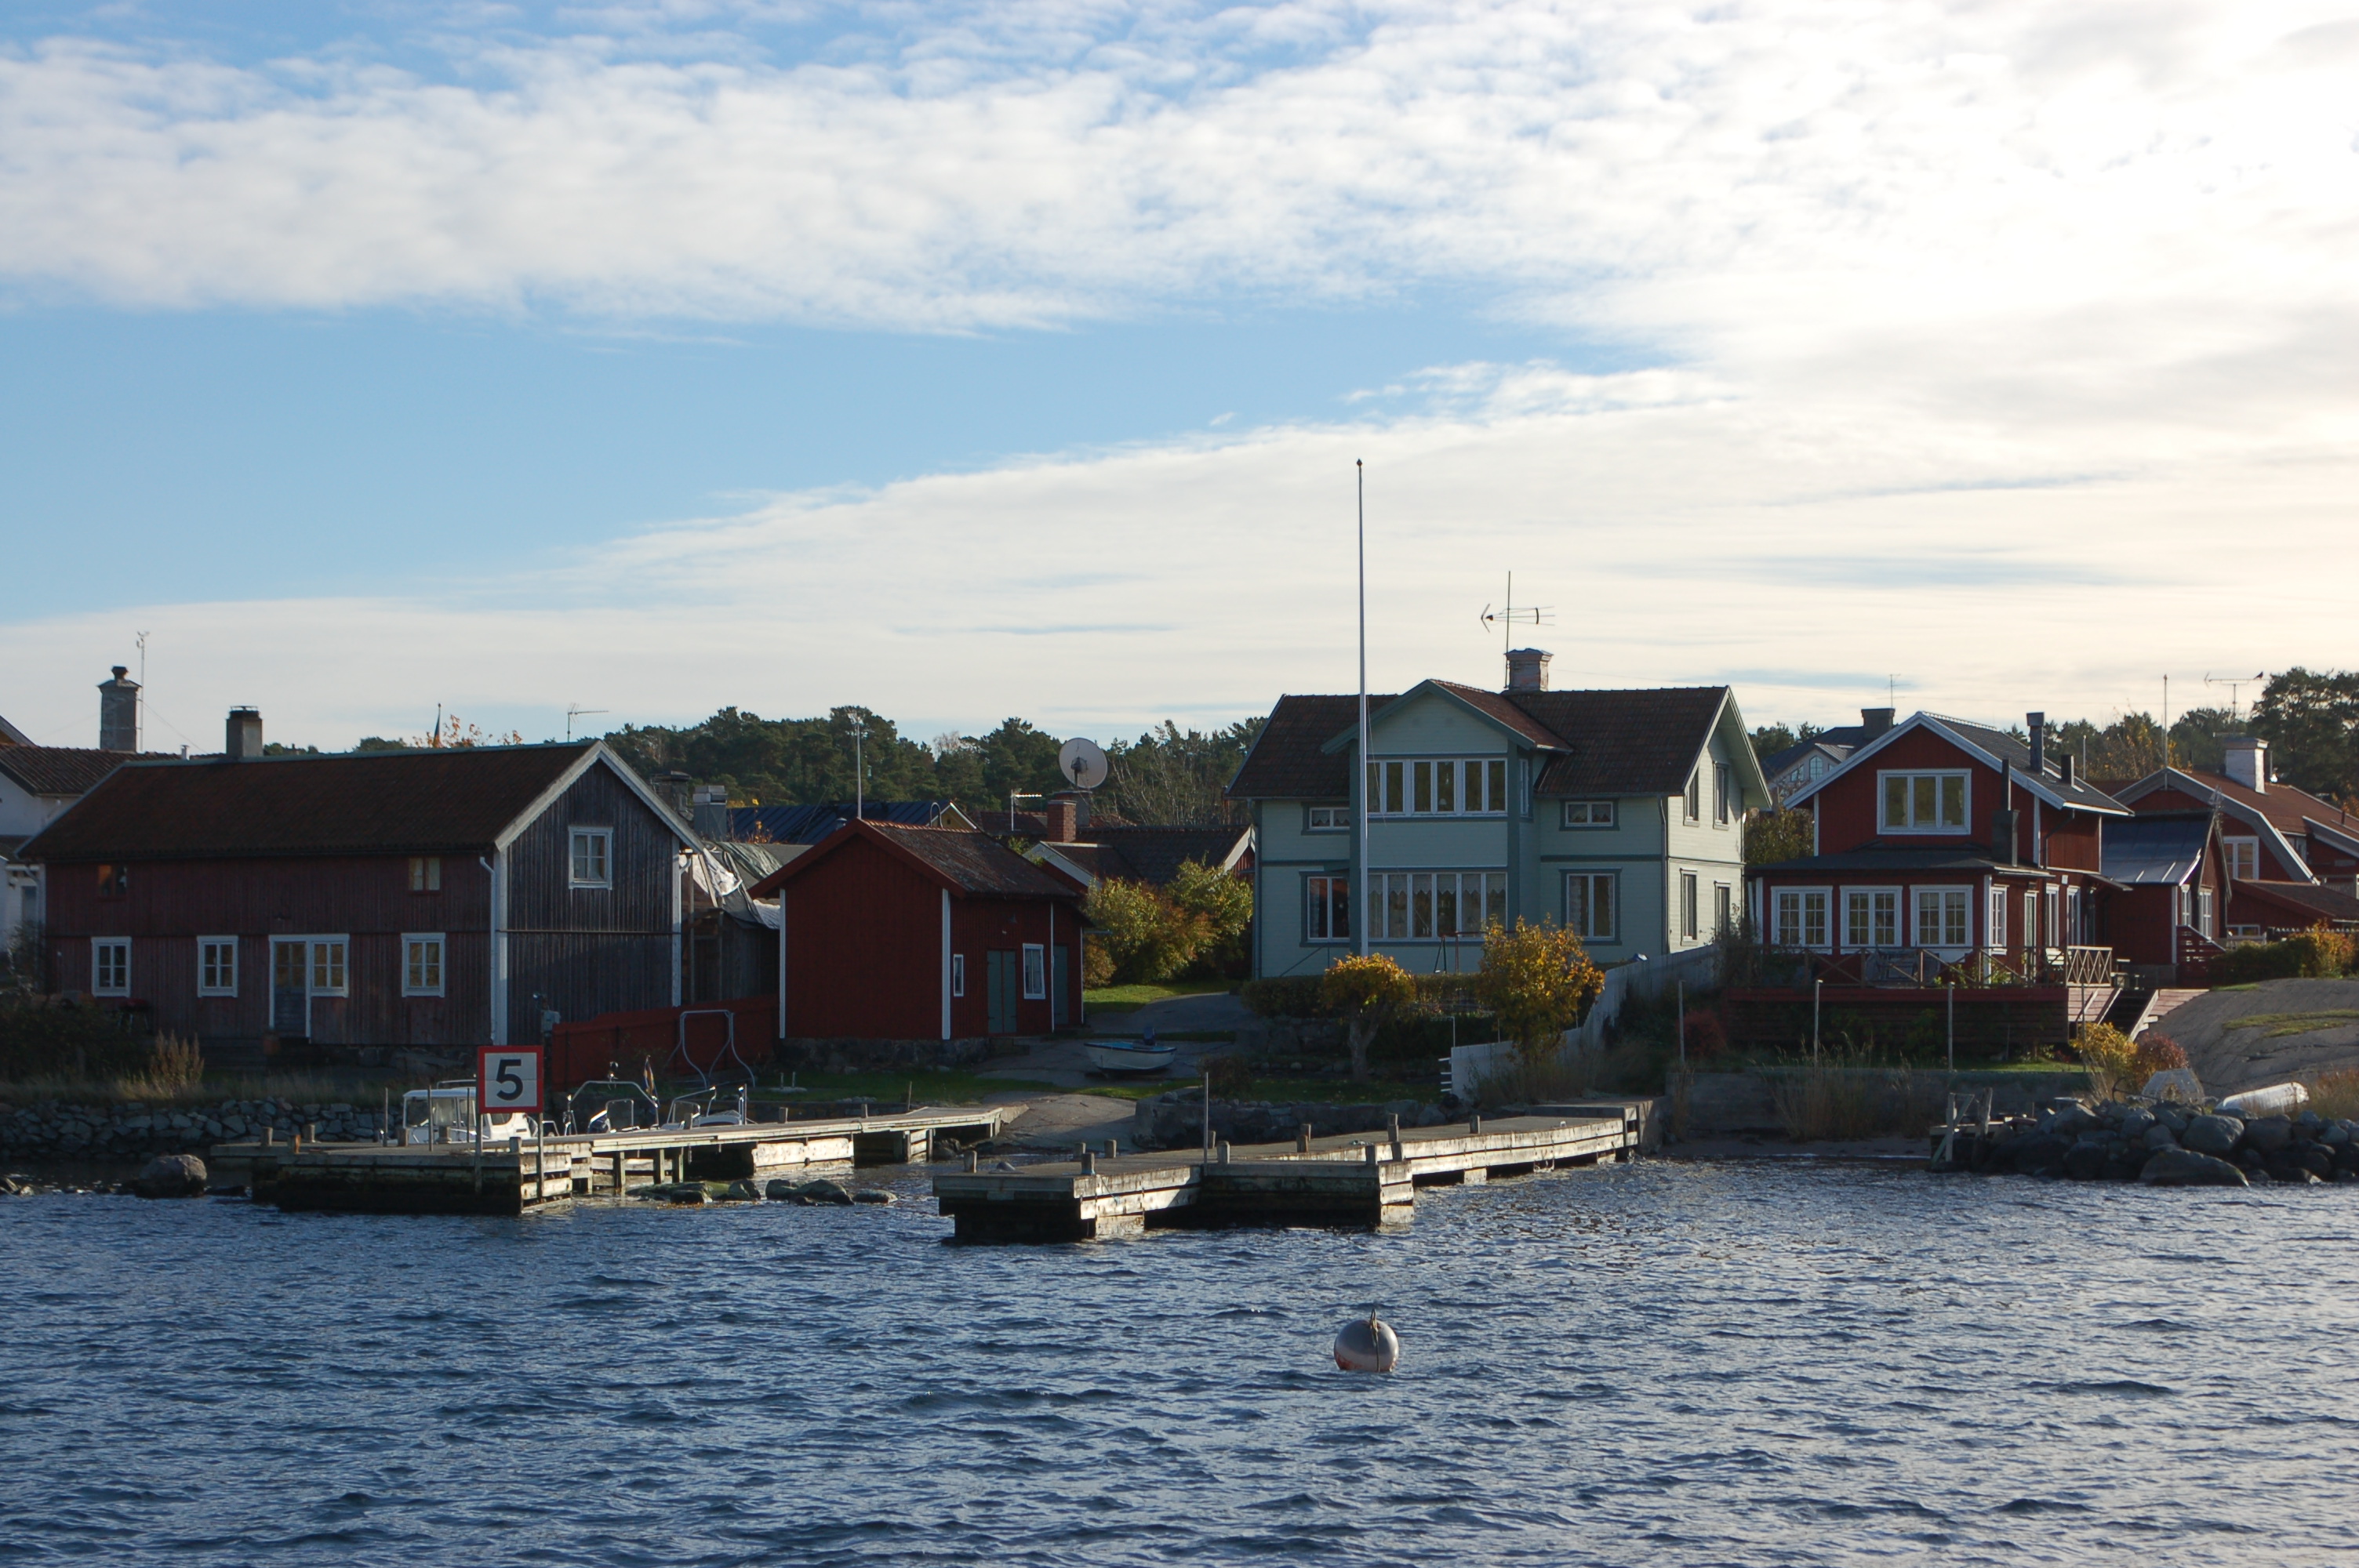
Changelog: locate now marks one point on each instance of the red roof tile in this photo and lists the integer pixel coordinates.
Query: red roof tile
(59, 770)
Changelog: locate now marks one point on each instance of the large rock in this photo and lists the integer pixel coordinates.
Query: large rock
(2040, 1155)
(2158, 1136)
(2175, 1083)
(2269, 1133)
(2212, 1134)
(2086, 1161)
(171, 1176)
(2186, 1168)
(2134, 1121)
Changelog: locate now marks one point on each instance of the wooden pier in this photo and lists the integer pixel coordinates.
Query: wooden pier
(1356, 1180)
(520, 1175)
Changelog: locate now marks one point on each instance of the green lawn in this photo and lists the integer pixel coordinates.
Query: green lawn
(1130, 998)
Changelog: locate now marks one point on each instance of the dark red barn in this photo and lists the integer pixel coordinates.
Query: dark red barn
(895, 933)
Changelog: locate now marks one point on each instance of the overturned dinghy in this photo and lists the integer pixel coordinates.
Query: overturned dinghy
(1132, 1056)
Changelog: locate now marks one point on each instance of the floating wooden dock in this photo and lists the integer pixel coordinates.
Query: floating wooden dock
(1354, 1179)
(520, 1174)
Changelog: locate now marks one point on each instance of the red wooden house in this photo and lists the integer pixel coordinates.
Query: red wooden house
(896, 933)
(2292, 857)
(1946, 838)
(2167, 879)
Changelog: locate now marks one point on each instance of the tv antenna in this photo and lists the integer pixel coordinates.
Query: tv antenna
(1507, 618)
(574, 713)
(2232, 683)
(139, 708)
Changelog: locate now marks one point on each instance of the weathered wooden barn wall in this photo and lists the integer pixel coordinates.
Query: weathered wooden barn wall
(583, 950)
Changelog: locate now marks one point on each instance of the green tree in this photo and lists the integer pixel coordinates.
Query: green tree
(1770, 740)
(1773, 836)
(1147, 936)
(1536, 980)
(1222, 902)
(1171, 776)
(2311, 721)
(1364, 990)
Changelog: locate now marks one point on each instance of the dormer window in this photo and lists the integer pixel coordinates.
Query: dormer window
(1924, 803)
(1438, 787)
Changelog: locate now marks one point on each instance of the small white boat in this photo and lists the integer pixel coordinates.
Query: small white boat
(1131, 1055)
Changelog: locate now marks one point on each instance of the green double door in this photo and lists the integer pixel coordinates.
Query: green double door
(1004, 989)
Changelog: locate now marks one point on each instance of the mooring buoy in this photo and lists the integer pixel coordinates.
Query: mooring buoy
(1367, 1344)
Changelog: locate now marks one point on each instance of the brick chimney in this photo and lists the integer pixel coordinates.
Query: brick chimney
(1068, 812)
(118, 712)
(2248, 762)
(1527, 669)
(710, 811)
(2036, 726)
(241, 736)
(1875, 721)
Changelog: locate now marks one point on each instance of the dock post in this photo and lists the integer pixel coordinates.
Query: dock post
(1376, 1155)
(1224, 1151)
(974, 1162)
(1302, 1140)
(1114, 1148)
(539, 1161)
(1474, 1124)
(516, 1153)
(1089, 1160)
(621, 1171)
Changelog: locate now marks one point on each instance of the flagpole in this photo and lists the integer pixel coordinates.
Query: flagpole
(1359, 925)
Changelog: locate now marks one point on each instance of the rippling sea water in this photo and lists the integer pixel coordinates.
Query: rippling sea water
(1652, 1364)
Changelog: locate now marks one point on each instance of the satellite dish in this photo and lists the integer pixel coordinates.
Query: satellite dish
(1083, 763)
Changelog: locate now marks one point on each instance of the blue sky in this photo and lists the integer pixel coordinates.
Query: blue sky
(991, 358)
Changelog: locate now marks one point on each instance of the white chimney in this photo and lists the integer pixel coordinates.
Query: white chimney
(1527, 669)
(2248, 762)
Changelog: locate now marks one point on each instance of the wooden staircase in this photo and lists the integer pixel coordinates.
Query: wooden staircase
(2159, 1005)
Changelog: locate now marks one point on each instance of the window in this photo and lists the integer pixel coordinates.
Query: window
(421, 964)
(1818, 769)
(1723, 919)
(1590, 905)
(2031, 933)
(216, 966)
(110, 967)
(1996, 937)
(1426, 906)
(592, 867)
(1871, 917)
(2244, 858)
(1326, 818)
(1326, 909)
(1924, 803)
(114, 882)
(328, 967)
(1036, 972)
(1588, 814)
(2054, 931)
(958, 974)
(2204, 916)
(1801, 917)
(1942, 918)
(1692, 805)
(1689, 911)
(1720, 789)
(1435, 787)
(425, 873)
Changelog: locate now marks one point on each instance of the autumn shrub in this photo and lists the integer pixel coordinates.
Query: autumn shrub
(2110, 1057)
(2157, 1053)
(2335, 1095)
(1145, 936)
(1537, 980)
(2319, 953)
(1222, 906)
(1363, 990)
(1097, 966)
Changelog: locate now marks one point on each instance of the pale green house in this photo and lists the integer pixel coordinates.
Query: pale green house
(1618, 814)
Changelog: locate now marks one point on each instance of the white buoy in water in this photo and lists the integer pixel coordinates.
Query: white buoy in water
(1367, 1345)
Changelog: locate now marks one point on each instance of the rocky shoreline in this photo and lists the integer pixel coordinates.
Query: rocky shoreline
(131, 1133)
(2159, 1143)
(1176, 1120)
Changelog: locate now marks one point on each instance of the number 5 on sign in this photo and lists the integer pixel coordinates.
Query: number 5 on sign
(507, 1078)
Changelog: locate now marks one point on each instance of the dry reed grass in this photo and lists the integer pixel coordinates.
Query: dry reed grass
(182, 1089)
(2336, 1093)
(1841, 1096)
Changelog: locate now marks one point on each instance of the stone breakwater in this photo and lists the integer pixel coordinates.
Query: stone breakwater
(131, 1133)
(1176, 1120)
(2161, 1144)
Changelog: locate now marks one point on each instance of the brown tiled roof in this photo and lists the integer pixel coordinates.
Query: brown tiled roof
(1624, 742)
(965, 860)
(2302, 901)
(2283, 805)
(370, 802)
(1155, 854)
(59, 769)
(1288, 761)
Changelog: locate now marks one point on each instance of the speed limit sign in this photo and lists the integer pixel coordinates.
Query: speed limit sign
(507, 1078)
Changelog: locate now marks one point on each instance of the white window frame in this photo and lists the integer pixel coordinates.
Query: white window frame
(1690, 906)
(118, 984)
(1336, 817)
(1800, 898)
(1411, 906)
(1691, 799)
(1911, 825)
(1724, 782)
(1995, 918)
(575, 838)
(211, 953)
(1587, 816)
(1723, 908)
(958, 974)
(425, 873)
(1966, 895)
(1392, 785)
(1318, 908)
(2246, 850)
(327, 965)
(1899, 917)
(2051, 917)
(1584, 915)
(412, 983)
(1036, 971)
(2207, 914)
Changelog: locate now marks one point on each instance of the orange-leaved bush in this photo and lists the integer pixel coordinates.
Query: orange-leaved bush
(1362, 988)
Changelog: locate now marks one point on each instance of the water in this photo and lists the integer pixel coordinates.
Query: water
(1656, 1364)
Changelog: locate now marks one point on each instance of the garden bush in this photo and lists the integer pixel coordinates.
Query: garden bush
(2319, 953)
(65, 1040)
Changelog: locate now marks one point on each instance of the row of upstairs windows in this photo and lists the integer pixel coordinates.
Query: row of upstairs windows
(313, 966)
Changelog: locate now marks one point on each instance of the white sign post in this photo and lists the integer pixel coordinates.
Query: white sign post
(507, 1079)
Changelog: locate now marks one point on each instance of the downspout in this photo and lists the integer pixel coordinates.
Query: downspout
(679, 870)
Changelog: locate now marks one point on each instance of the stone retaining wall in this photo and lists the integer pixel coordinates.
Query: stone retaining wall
(1176, 1120)
(132, 1132)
